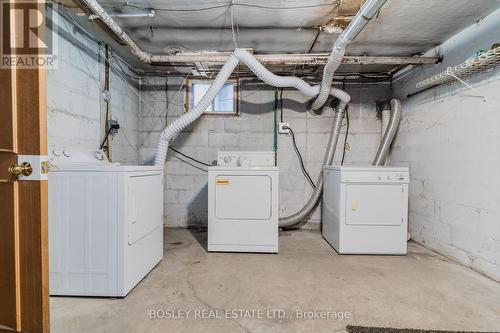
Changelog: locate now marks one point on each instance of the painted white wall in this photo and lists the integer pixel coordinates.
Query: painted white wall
(75, 107)
(186, 191)
(451, 141)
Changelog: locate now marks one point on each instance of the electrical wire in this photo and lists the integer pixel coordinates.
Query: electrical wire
(347, 127)
(166, 120)
(301, 160)
(281, 104)
(189, 157)
(106, 136)
(232, 25)
(346, 134)
(248, 5)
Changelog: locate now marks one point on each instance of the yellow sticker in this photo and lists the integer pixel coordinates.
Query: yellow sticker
(354, 204)
(222, 182)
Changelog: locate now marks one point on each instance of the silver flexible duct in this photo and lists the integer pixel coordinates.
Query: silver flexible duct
(364, 15)
(383, 149)
(304, 212)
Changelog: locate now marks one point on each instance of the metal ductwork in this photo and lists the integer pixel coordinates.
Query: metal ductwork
(365, 14)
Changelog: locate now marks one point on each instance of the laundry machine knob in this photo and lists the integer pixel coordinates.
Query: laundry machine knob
(99, 155)
(56, 152)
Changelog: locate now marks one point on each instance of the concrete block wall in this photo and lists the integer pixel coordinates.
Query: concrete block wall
(451, 140)
(186, 181)
(125, 99)
(75, 107)
(452, 144)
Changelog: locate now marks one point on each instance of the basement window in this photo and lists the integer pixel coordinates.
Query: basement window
(225, 103)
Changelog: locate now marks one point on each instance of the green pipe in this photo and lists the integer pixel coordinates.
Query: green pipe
(275, 146)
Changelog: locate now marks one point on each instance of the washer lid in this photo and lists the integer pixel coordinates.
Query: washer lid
(68, 159)
(60, 157)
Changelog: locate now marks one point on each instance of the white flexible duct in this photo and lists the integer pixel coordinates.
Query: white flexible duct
(364, 15)
(260, 71)
(187, 118)
(383, 149)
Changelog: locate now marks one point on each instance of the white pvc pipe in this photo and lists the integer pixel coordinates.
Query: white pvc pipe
(111, 24)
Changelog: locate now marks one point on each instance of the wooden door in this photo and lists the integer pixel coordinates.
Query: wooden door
(24, 294)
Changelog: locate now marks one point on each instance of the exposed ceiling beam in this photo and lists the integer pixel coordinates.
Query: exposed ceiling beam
(93, 7)
(291, 59)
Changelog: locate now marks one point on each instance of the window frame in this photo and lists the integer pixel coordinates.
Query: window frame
(236, 97)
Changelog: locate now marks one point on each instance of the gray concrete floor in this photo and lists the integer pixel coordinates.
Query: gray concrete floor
(421, 290)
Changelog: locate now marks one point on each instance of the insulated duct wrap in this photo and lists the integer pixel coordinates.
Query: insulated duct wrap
(390, 132)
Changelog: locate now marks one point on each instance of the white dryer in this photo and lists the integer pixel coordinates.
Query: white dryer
(243, 203)
(105, 223)
(365, 209)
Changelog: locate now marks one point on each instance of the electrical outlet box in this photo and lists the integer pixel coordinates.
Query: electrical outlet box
(282, 130)
(112, 126)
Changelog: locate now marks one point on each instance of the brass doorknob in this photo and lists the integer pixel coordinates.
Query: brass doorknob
(24, 169)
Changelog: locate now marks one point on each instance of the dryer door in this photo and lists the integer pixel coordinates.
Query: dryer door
(144, 205)
(375, 204)
(243, 197)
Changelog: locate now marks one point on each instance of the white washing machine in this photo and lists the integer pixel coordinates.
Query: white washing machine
(243, 203)
(365, 209)
(105, 223)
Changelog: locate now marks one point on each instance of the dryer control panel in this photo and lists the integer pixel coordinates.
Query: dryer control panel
(245, 158)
